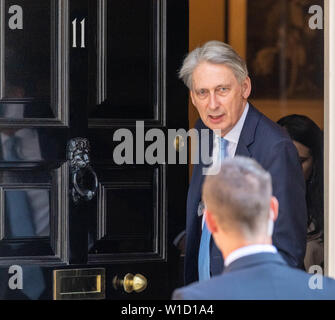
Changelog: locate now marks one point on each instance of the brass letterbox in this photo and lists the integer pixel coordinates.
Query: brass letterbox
(79, 284)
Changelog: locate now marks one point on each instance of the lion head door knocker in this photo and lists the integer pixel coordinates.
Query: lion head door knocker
(84, 179)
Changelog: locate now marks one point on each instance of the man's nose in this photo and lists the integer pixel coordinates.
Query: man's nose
(213, 102)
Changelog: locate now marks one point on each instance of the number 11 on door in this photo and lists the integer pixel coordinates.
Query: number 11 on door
(74, 33)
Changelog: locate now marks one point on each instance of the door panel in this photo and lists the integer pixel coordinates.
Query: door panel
(36, 121)
(39, 213)
(34, 53)
(34, 64)
(85, 68)
(127, 230)
(31, 220)
(133, 228)
(131, 77)
(128, 47)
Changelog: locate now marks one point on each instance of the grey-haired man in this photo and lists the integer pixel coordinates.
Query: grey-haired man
(219, 88)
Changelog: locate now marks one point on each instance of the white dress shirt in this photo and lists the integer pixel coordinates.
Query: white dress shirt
(249, 250)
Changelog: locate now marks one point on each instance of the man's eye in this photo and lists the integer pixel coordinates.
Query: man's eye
(202, 93)
(222, 90)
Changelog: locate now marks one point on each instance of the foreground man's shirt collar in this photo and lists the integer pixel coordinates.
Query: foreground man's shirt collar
(249, 250)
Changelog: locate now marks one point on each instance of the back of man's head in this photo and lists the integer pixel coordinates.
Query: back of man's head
(239, 196)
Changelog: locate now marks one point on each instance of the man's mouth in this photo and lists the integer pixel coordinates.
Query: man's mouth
(215, 119)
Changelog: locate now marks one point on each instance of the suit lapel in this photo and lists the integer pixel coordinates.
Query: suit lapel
(242, 150)
(247, 136)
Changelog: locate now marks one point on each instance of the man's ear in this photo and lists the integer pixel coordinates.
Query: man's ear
(274, 208)
(211, 222)
(246, 88)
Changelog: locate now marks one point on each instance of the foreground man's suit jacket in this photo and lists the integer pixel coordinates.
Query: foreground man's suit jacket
(266, 142)
(261, 276)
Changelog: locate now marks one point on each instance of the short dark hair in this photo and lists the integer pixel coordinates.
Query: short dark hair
(240, 194)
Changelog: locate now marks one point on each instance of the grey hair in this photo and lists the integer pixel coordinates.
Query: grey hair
(240, 194)
(215, 52)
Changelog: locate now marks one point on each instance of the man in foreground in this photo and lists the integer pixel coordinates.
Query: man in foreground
(240, 212)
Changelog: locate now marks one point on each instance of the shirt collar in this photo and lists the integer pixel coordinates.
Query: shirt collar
(249, 250)
(234, 134)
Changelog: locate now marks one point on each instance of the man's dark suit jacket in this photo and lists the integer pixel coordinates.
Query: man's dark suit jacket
(266, 142)
(260, 276)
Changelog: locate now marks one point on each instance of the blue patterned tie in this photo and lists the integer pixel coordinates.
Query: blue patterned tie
(223, 148)
(204, 250)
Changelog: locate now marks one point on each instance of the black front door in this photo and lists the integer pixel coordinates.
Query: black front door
(77, 79)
